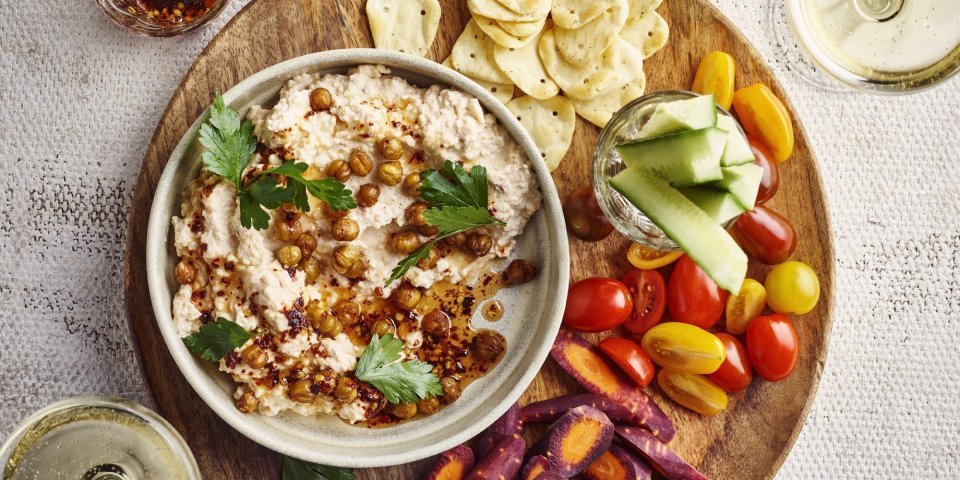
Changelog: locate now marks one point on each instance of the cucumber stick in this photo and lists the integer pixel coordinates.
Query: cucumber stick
(681, 115)
(686, 158)
(706, 242)
(743, 182)
(720, 206)
(737, 151)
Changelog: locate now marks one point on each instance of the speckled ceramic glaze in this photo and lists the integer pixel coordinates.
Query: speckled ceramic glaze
(533, 310)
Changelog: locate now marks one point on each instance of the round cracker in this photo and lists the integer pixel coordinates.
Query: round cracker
(648, 33)
(501, 91)
(499, 35)
(584, 46)
(639, 8)
(571, 14)
(522, 29)
(408, 26)
(528, 7)
(495, 10)
(582, 83)
(472, 55)
(550, 122)
(524, 68)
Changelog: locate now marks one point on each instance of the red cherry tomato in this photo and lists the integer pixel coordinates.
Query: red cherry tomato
(765, 235)
(734, 373)
(597, 304)
(628, 355)
(692, 297)
(772, 346)
(649, 299)
(585, 219)
(770, 181)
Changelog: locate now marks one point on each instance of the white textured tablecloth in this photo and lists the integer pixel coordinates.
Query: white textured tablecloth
(79, 100)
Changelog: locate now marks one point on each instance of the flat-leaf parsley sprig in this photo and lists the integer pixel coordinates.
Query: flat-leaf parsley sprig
(457, 202)
(230, 143)
(216, 339)
(399, 381)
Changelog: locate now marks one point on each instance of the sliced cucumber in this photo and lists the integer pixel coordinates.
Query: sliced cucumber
(737, 151)
(686, 158)
(680, 115)
(718, 205)
(743, 182)
(706, 242)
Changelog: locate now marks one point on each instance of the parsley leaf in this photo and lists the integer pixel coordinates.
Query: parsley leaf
(216, 339)
(458, 219)
(229, 142)
(335, 194)
(294, 469)
(400, 382)
(264, 192)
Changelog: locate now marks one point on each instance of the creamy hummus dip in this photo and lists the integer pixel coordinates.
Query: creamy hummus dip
(237, 273)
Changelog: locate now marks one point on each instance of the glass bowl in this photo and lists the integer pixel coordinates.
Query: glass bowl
(624, 126)
(141, 17)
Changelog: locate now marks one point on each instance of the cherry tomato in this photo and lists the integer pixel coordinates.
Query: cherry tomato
(772, 346)
(597, 304)
(683, 347)
(649, 259)
(692, 297)
(630, 358)
(745, 306)
(734, 373)
(649, 299)
(764, 116)
(765, 235)
(792, 287)
(585, 219)
(770, 181)
(693, 391)
(715, 75)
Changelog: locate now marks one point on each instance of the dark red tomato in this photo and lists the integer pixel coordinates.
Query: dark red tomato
(770, 181)
(692, 297)
(772, 346)
(628, 355)
(649, 299)
(597, 304)
(585, 219)
(734, 373)
(765, 235)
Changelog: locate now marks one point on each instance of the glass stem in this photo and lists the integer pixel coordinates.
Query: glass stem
(879, 10)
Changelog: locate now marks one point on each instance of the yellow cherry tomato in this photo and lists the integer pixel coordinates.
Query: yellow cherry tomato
(696, 392)
(715, 75)
(745, 306)
(684, 348)
(792, 287)
(648, 259)
(765, 117)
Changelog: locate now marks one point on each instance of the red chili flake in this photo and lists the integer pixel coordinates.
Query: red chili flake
(292, 271)
(172, 11)
(232, 359)
(468, 302)
(205, 317)
(197, 225)
(416, 157)
(364, 135)
(378, 291)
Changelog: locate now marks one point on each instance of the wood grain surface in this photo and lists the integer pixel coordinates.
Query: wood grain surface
(748, 441)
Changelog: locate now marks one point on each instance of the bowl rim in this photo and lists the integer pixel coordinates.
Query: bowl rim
(157, 243)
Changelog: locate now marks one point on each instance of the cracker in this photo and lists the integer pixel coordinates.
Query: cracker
(499, 35)
(585, 45)
(522, 29)
(472, 55)
(640, 8)
(408, 26)
(572, 14)
(599, 110)
(524, 67)
(540, 8)
(649, 33)
(549, 122)
(501, 91)
(497, 11)
(583, 83)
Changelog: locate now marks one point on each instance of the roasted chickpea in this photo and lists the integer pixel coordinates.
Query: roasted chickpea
(347, 311)
(390, 173)
(345, 229)
(478, 243)
(455, 240)
(357, 271)
(320, 99)
(432, 258)
(391, 148)
(407, 296)
(288, 212)
(384, 327)
(368, 194)
(403, 410)
(436, 324)
(287, 231)
(289, 255)
(331, 213)
(315, 311)
(346, 389)
(185, 272)
(247, 403)
(307, 244)
(487, 345)
(428, 230)
(428, 406)
(302, 391)
(404, 242)
(451, 389)
(311, 269)
(255, 356)
(519, 271)
(348, 261)
(411, 184)
(414, 213)
(403, 329)
(359, 162)
(338, 169)
(325, 381)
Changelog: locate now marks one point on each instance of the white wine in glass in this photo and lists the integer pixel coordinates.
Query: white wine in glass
(885, 46)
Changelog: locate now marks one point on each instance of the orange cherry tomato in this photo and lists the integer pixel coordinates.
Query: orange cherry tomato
(734, 373)
(745, 306)
(649, 299)
(772, 346)
(692, 296)
(715, 75)
(693, 391)
(597, 304)
(649, 259)
(770, 181)
(630, 358)
(683, 347)
(765, 117)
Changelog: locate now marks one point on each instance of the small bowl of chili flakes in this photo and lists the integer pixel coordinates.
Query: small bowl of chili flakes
(162, 18)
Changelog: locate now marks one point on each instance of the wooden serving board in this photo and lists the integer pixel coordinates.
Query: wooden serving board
(748, 441)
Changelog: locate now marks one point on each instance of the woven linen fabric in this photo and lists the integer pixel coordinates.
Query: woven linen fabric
(80, 98)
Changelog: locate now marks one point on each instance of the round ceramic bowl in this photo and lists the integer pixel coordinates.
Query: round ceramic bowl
(531, 321)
